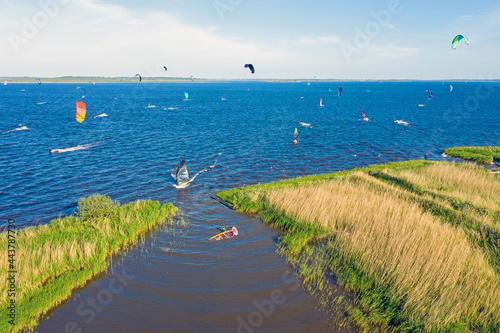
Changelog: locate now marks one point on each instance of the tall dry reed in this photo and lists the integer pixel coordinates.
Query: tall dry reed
(428, 266)
(464, 182)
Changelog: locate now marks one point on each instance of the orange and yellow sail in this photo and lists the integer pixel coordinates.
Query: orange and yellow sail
(81, 109)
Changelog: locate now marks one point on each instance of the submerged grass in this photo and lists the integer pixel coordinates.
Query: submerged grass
(416, 243)
(54, 259)
(483, 155)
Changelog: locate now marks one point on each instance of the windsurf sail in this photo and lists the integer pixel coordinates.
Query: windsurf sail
(225, 234)
(181, 175)
(363, 113)
(340, 90)
(295, 134)
(457, 39)
(38, 80)
(186, 95)
(81, 109)
(192, 78)
(321, 102)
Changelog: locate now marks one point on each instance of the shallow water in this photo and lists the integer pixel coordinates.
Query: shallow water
(180, 281)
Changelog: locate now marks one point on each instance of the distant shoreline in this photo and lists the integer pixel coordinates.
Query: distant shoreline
(98, 80)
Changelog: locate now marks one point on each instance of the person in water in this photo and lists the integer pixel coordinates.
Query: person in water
(50, 149)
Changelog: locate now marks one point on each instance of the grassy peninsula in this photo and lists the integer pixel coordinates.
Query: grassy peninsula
(417, 243)
(52, 260)
(483, 155)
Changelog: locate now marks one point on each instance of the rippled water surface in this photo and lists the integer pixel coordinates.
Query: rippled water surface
(179, 281)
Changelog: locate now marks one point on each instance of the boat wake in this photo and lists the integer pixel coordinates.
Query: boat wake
(79, 147)
(20, 128)
(101, 115)
(401, 122)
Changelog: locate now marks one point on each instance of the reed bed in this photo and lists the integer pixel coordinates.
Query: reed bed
(467, 183)
(67, 253)
(431, 268)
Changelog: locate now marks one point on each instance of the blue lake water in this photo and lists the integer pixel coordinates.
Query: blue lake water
(196, 285)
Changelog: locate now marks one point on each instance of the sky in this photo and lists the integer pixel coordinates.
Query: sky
(287, 39)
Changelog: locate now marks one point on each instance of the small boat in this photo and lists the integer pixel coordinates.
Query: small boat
(5, 83)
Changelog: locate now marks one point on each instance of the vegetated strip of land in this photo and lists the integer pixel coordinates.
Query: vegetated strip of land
(54, 259)
(484, 155)
(417, 243)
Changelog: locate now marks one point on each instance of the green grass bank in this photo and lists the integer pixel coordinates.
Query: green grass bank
(484, 155)
(52, 260)
(417, 243)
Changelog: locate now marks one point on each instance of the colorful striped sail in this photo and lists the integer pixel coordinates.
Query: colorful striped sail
(226, 234)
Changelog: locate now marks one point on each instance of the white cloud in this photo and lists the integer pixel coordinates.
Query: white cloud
(391, 51)
(91, 38)
(319, 40)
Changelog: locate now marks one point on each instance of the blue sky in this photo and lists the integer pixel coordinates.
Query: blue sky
(389, 39)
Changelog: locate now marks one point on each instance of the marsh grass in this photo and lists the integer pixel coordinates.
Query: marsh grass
(431, 267)
(469, 184)
(483, 155)
(414, 243)
(52, 260)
